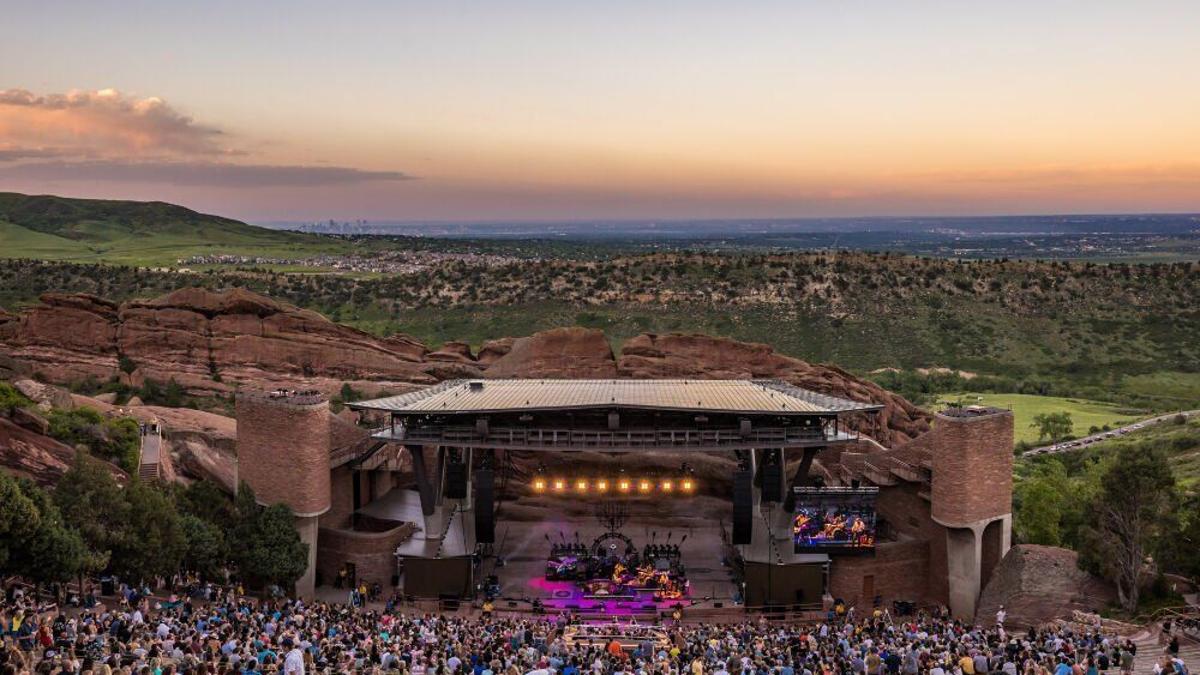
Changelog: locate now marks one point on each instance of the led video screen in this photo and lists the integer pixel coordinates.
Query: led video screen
(831, 519)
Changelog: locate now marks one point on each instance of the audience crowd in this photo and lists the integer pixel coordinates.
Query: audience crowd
(221, 632)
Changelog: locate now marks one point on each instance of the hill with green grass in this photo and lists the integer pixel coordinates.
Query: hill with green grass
(49, 227)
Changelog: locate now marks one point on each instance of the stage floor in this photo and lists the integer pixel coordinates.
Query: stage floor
(524, 547)
(523, 530)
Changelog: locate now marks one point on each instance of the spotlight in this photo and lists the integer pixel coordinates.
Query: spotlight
(623, 485)
(559, 485)
(539, 484)
(687, 485)
(602, 485)
(667, 486)
(644, 485)
(581, 485)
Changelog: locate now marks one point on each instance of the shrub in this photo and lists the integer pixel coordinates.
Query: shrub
(11, 399)
(117, 440)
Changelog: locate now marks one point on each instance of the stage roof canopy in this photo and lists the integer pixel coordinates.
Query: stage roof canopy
(500, 396)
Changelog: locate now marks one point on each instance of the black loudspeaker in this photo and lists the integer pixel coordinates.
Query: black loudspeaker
(743, 506)
(772, 473)
(485, 506)
(456, 480)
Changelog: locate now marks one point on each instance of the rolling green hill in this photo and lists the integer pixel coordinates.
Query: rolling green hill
(61, 228)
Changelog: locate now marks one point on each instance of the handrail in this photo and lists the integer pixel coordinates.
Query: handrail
(1187, 611)
(655, 438)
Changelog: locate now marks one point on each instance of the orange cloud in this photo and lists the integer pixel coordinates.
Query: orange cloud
(105, 121)
(108, 136)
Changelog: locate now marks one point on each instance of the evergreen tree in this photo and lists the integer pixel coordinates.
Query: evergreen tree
(205, 551)
(267, 549)
(1130, 518)
(151, 541)
(90, 501)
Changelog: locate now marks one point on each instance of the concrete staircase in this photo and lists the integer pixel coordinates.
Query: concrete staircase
(151, 453)
(148, 470)
(1150, 650)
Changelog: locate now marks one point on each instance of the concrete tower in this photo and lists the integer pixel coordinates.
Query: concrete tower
(972, 497)
(283, 455)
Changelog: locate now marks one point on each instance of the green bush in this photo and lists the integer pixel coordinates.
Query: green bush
(117, 440)
(11, 399)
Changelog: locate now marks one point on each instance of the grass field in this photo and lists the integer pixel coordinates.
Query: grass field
(1084, 414)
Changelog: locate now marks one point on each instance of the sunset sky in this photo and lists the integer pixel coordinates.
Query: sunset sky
(495, 110)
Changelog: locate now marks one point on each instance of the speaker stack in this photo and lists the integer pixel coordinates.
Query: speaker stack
(772, 485)
(743, 506)
(456, 479)
(485, 506)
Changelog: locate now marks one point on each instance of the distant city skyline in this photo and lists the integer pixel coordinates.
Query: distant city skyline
(539, 110)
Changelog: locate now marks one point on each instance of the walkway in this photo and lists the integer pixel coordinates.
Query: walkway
(151, 455)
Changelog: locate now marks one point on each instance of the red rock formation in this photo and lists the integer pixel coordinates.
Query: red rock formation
(1037, 584)
(561, 352)
(207, 341)
(42, 459)
(492, 350)
(68, 336)
(216, 342)
(454, 352)
(702, 356)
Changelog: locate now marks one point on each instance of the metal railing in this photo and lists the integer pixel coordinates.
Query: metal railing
(589, 439)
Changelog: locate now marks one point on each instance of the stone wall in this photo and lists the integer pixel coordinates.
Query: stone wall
(371, 553)
(908, 514)
(900, 570)
(341, 498)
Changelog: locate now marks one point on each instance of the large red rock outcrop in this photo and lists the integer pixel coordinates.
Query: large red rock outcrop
(207, 341)
(1037, 584)
(216, 342)
(651, 356)
(560, 352)
(27, 453)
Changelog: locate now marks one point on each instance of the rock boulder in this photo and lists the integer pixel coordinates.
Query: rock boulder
(1038, 584)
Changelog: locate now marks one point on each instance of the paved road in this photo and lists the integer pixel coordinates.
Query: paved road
(1067, 446)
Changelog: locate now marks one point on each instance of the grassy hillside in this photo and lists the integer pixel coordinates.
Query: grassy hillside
(1085, 414)
(59, 228)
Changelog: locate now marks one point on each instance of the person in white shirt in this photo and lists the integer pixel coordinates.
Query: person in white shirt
(293, 663)
(1000, 616)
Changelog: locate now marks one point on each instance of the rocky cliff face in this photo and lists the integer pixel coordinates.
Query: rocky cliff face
(707, 357)
(1037, 584)
(27, 452)
(208, 342)
(217, 342)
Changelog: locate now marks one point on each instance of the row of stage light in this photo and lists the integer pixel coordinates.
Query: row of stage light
(625, 486)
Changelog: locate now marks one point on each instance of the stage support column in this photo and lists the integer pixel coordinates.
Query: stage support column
(307, 529)
(468, 501)
(430, 489)
(756, 491)
(802, 477)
